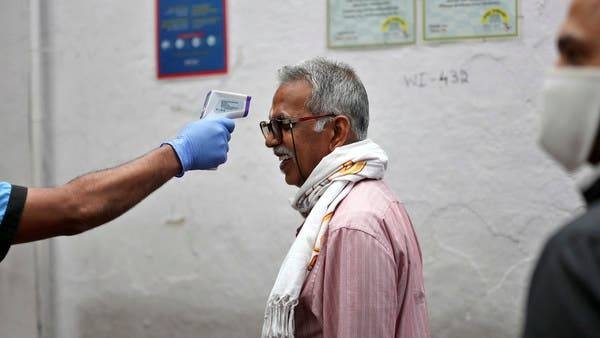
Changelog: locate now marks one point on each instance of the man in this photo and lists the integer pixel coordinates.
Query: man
(355, 268)
(564, 296)
(91, 200)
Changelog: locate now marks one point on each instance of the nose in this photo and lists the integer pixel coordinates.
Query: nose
(271, 141)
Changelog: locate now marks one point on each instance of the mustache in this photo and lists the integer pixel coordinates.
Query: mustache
(281, 150)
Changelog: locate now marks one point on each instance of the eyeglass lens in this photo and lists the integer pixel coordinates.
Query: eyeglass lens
(271, 129)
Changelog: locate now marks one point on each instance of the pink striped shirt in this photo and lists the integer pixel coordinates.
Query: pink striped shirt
(368, 279)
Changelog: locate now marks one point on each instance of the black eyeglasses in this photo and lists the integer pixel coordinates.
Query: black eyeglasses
(274, 127)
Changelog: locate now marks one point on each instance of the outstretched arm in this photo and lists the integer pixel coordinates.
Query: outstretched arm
(96, 198)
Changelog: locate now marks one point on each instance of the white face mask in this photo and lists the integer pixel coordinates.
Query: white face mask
(571, 114)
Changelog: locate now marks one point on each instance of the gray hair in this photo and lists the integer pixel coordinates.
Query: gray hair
(335, 89)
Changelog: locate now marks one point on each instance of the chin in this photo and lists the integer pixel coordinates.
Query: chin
(292, 180)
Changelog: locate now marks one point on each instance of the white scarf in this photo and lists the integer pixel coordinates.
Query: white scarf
(328, 184)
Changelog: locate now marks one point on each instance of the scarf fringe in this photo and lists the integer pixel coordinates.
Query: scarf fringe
(279, 318)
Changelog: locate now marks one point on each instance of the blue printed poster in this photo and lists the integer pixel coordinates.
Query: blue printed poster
(191, 37)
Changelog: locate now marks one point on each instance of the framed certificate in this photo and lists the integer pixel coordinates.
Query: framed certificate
(469, 19)
(352, 23)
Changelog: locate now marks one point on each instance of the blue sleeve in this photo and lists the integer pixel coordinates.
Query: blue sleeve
(12, 202)
(4, 196)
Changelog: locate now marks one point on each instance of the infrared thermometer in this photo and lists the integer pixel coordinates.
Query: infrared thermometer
(226, 104)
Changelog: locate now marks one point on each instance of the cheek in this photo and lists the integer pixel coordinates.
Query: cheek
(596, 58)
(286, 141)
(312, 153)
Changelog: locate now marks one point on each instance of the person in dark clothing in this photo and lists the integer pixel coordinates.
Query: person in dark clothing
(564, 295)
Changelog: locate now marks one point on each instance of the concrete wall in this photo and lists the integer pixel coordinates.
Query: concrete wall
(198, 257)
(17, 272)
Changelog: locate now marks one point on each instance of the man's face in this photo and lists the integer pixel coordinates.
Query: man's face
(310, 146)
(579, 37)
(579, 45)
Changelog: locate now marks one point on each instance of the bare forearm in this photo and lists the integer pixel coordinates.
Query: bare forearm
(96, 198)
(105, 195)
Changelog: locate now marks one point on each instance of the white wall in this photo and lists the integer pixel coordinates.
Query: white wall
(17, 272)
(198, 257)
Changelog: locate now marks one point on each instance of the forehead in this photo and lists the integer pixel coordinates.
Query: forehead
(583, 21)
(290, 99)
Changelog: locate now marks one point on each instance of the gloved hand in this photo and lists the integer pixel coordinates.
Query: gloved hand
(203, 144)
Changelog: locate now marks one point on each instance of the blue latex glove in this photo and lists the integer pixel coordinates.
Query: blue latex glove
(203, 144)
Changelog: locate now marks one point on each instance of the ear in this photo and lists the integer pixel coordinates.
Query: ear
(341, 133)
